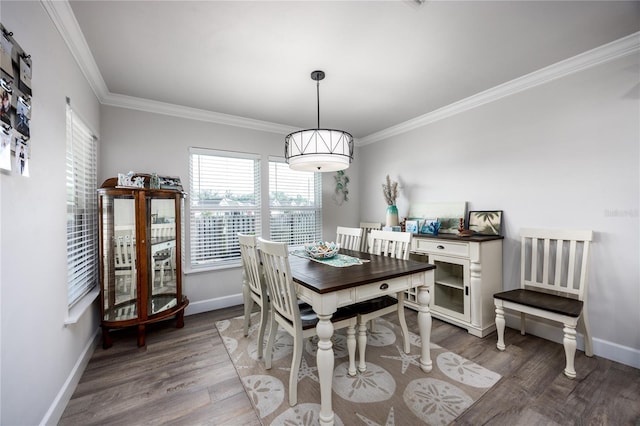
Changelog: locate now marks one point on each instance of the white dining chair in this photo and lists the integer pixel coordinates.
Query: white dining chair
(367, 227)
(349, 238)
(253, 288)
(125, 260)
(163, 260)
(554, 269)
(392, 244)
(297, 319)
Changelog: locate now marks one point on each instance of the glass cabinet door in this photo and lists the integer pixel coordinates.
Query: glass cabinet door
(162, 247)
(119, 258)
(451, 287)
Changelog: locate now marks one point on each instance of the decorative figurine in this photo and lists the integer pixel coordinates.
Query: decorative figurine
(463, 232)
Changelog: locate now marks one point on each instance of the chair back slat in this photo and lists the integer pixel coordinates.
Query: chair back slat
(277, 273)
(163, 230)
(251, 264)
(125, 246)
(367, 227)
(555, 261)
(349, 238)
(389, 243)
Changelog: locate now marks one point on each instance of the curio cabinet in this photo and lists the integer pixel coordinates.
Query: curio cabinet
(140, 257)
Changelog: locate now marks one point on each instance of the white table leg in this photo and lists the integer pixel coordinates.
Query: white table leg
(424, 324)
(325, 363)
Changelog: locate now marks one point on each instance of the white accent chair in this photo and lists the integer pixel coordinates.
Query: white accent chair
(349, 238)
(125, 260)
(253, 288)
(164, 259)
(554, 274)
(299, 320)
(367, 227)
(392, 244)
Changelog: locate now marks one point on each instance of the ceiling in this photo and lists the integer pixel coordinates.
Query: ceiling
(386, 62)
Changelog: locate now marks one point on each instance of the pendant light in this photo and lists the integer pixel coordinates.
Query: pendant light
(318, 150)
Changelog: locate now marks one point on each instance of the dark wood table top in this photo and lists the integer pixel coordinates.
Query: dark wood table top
(323, 278)
(455, 237)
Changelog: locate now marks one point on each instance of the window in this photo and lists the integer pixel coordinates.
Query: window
(224, 199)
(82, 209)
(295, 204)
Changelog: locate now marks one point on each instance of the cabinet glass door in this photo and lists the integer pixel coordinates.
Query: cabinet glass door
(163, 279)
(119, 258)
(451, 287)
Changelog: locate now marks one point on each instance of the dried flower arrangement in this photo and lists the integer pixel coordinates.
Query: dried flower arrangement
(390, 191)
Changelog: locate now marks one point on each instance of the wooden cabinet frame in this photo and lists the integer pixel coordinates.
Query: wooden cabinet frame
(132, 294)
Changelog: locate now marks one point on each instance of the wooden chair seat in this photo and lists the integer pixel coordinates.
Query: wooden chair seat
(548, 302)
(310, 319)
(374, 305)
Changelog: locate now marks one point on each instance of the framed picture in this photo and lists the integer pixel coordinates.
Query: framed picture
(431, 227)
(485, 222)
(412, 226)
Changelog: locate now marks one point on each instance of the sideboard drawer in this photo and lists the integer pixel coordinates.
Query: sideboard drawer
(391, 286)
(440, 246)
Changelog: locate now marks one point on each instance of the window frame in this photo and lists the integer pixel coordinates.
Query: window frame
(191, 265)
(81, 157)
(317, 207)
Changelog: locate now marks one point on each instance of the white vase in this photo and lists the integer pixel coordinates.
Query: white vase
(392, 216)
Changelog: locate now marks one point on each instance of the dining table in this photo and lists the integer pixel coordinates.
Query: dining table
(328, 285)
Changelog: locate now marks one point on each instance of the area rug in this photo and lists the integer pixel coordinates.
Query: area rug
(393, 390)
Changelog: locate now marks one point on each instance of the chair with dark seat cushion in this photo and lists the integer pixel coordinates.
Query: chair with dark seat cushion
(553, 285)
(348, 238)
(298, 319)
(392, 244)
(367, 227)
(254, 291)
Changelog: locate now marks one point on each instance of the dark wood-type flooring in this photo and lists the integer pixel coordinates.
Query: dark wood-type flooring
(185, 377)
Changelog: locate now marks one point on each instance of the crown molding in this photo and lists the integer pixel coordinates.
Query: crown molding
(65, 22)
(157, 107)
(605, 53)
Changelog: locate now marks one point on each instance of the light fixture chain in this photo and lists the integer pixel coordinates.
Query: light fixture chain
(318, 97)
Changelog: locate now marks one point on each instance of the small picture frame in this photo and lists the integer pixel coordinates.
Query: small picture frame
(430, 227)
(424, 226)
(486, 222)
(411, 226)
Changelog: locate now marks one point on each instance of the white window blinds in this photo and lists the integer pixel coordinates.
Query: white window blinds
(82, 209)
(224, 200)
(295, 204)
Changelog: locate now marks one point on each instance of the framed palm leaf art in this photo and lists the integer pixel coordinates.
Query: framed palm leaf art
(485, 222)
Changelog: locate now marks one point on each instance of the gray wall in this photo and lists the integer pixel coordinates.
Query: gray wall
(38, 353)
(146, 142)
(561, 155)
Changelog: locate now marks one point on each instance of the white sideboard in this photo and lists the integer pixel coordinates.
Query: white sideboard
(468, 273)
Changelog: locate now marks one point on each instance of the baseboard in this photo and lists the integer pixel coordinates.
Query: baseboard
(213, 304)
(602, 348)
(55, 411)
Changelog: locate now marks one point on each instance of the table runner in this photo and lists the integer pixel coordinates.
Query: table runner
(339, 260)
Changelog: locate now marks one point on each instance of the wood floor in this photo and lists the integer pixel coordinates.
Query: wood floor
(185, 377)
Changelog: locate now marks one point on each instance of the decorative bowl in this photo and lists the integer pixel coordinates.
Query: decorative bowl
(321, 250)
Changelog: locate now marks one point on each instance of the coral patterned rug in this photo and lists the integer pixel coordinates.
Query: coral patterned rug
(393, 390)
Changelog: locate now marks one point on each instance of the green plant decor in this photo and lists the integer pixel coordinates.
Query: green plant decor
(341, 193)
